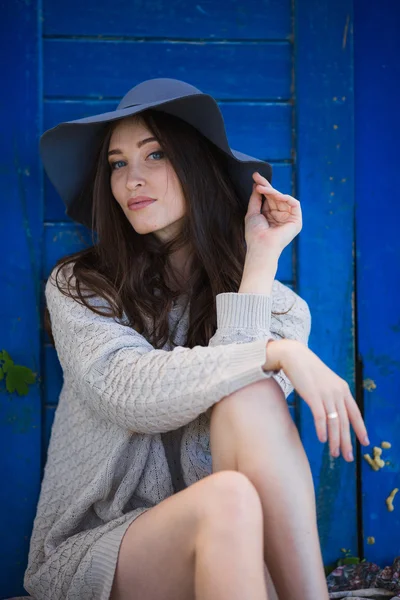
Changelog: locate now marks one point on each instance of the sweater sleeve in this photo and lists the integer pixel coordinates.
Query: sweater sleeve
(135, 386)
(243, 318)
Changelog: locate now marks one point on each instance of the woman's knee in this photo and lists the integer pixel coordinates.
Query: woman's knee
(232, 498)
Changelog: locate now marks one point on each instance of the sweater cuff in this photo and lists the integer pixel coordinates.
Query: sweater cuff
(243, 311)
(246, 362)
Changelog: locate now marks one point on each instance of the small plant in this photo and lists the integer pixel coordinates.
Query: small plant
(16, 377)
(347, 559)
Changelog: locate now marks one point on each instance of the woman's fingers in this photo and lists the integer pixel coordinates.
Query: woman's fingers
(356, 419)
(335, 415)
(281, 203)
(264, 187)
(345, 437)
(258, 178)
(320, 423)
(262, 182)
(270, 199)
(333, 429)
(254, 203)
(275, 196)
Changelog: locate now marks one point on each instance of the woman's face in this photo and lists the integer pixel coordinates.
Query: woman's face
(140, 168)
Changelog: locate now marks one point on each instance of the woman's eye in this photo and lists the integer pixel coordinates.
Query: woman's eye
(159, 152)
(113, 164)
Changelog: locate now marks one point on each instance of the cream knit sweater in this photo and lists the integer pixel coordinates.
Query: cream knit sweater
(106, 460)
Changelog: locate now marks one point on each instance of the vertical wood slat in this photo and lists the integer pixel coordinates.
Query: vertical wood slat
(377, 119)
(21, 234)
(325, 174)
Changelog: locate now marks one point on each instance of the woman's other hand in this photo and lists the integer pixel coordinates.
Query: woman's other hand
(279, 221)
(325, 393)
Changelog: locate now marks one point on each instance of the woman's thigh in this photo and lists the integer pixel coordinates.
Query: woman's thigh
(157, 555)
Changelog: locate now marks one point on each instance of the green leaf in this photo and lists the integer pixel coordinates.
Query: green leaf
(349, 560)
(17, 379)
(4, 355)
(8, 363)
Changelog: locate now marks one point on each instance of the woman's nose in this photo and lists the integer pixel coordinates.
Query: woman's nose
(134, 178)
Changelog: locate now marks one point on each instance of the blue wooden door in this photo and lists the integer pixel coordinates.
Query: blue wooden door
(69, 60)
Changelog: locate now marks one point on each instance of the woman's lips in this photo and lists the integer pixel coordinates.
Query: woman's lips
(141, 204)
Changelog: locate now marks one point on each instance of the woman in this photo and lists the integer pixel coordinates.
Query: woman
(178, 349)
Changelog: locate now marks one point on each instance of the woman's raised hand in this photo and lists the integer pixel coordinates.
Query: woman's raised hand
(279, 221)
(328, 395)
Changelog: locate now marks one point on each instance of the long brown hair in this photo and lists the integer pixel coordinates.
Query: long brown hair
(129, 270)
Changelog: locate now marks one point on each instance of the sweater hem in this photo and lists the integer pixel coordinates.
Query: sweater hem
(105, 556)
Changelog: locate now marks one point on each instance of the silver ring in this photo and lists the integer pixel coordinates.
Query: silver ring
(332, 415)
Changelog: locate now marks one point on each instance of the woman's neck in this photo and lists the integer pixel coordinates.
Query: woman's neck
(180, 263)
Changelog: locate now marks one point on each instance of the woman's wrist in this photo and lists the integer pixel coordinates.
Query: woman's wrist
(277, 351)
(258, 273)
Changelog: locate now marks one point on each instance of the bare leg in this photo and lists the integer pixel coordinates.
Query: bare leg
(205, 542)
(269, 584)
(252, 432)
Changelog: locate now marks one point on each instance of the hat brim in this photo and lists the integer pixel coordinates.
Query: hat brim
(68, 149)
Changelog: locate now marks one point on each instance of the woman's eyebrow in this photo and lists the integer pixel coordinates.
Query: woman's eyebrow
(139, 145)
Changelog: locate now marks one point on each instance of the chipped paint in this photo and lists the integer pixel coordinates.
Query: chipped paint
(345, 32)
(390, 498)
(377, 457)
(369, 385)
(370, 540)
(371, 462)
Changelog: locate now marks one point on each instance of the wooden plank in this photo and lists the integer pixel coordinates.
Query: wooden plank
(227, 70)
(174, 19)
(378, 257)
(20, 233)
(325, 179)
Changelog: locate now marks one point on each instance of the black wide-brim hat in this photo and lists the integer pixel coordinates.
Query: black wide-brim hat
(69, 150)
